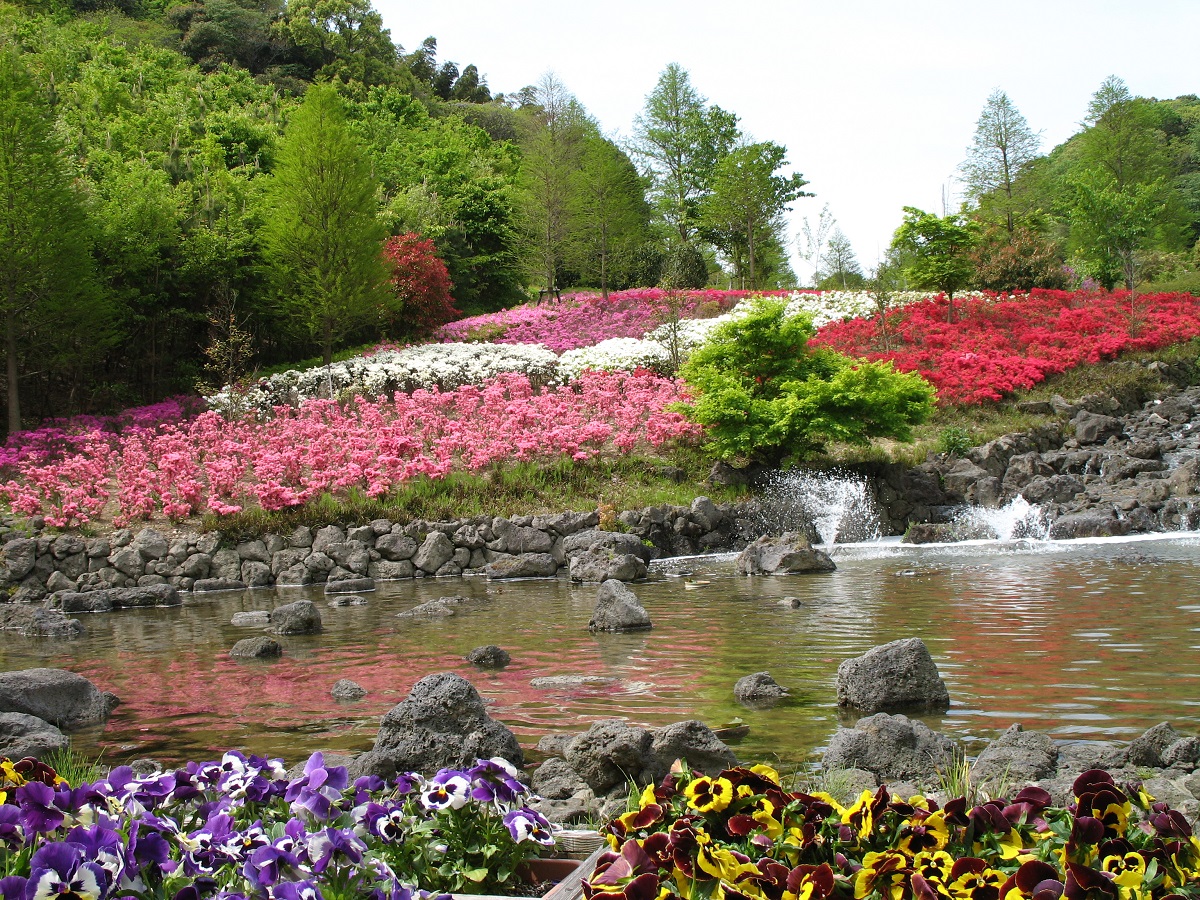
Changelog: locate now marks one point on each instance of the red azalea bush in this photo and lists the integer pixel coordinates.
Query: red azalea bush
(214, 464)
(1002, 344)
(421, 282)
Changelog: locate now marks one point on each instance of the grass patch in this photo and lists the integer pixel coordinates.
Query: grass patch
(523, 488)
(75, 766)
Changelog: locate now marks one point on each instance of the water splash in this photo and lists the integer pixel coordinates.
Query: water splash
(1018, 519)
(834, 505)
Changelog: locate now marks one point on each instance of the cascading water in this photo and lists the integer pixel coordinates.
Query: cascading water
(835, 505)
(1018, 519)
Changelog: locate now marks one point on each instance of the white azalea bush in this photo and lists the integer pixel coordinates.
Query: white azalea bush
(441, 366)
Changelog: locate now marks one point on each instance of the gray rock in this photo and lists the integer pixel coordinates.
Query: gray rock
(618, 542)
(788, 554)
(59, 582)
(293, 576)
(211, 585)
(602, 564)
(489, 657)
(259, 647)
(609, 753)
(892, 747)
(1081, 756)
(1091, 428)
(301, 538)
(1183, 754)
(301, 617)
(23, 735)
(759, 690)
(443, 722)
(439, 608)
(900, 675)
(259, 618)
(330, 534)
(1147, 749)
(92, 601)
(617, 609)
(1016, 757)
(556, 780)
(570, 682)
(350, 586)
(225, 564)
(1091, 523)
(706, 514)
(385, 570)
(350, 555)
(128, 562)
(554, 744)
(691, 740)
(56, 695)
(256, 574)
(396, 547)
(527, 565)
(345, 689)
(253, 551)
(197, 566)
(435, 551)
(518, 539)
(151, 544)
(567, 523)
(50, 623)
(363, 534)
(19, 558)
(145, 595)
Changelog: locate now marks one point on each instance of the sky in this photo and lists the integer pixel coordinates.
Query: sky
(876, 100)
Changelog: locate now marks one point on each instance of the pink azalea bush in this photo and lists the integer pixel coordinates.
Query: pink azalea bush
(210, 463)
(582, 320)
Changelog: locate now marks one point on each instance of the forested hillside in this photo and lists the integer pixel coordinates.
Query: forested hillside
(156, 165)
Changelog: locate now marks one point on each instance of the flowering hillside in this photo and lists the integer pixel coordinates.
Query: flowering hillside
(1003, 344)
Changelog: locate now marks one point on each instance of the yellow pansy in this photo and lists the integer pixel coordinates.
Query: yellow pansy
(706, 794)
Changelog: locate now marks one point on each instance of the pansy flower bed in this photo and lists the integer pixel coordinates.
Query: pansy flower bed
(239, 828)
(742, 836)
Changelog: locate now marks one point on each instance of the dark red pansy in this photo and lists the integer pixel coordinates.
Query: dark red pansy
(1086, 883)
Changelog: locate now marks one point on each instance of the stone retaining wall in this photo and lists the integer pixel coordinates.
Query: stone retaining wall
(343, 558)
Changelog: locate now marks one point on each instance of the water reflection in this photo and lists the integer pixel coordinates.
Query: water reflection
(1092, 640)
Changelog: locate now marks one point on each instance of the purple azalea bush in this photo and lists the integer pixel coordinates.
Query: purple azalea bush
(239, 829)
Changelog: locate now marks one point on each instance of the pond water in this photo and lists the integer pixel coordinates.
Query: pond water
(1084, 639)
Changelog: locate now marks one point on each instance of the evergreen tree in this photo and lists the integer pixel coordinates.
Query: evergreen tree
(46, 274)
(322, 235)
(1004, 145)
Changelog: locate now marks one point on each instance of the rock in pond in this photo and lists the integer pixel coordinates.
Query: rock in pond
(301, 617)
(489, 657)
(788, 554)
(61, 698)
(759, 690)
(260, 647)
(617, 609)
(345, 689)
(258, 618)
(350, 586)
(23, 735)
(894, 677)
(442, 723)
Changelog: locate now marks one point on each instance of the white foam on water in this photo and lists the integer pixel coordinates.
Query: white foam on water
(838, 506)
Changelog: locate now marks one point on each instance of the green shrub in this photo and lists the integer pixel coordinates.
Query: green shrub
(764, 393)
(954, 440)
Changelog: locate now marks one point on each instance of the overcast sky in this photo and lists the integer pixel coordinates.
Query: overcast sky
(876, 100)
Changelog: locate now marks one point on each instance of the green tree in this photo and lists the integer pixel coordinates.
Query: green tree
(322, 238)
(841, 265)
(46, 272)
(608, 210)
(555, 129)
(747, 201)
(1018, 261)
(680, 140)
(342, 39)
(936, 252)
(1004, 145)
(763, 393)
(1119, 196)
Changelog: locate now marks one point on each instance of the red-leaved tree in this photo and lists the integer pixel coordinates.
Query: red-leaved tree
(421, 284)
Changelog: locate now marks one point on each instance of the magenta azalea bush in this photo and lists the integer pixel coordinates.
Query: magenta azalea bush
(582, 320)
(210, 463)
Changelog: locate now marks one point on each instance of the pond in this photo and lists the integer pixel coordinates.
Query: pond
(1084, 639)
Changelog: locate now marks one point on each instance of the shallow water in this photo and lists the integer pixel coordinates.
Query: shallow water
(1084, 639)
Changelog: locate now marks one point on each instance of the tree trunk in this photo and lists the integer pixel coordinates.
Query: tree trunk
(14, 386)
(750, 247)
(950, 304)
(327, 343)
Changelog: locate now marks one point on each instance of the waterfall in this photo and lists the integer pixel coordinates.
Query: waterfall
(1016, 520)
(836, 505)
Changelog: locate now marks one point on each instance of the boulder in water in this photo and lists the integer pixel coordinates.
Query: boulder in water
(900, 676)
(788, 554)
